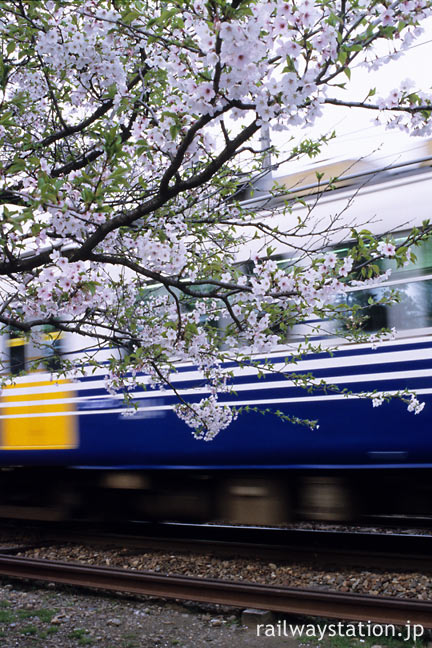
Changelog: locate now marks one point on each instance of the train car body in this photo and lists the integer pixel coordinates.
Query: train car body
(77, 427)
(79, 424)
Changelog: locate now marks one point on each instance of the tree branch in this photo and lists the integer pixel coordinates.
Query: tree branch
(361, 104)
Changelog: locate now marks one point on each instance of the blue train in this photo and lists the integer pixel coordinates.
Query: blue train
(68, 448)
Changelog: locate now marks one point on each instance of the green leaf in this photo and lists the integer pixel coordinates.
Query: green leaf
(90, 286)
(174, 130)
(270, 250)
(130, 17)
(342, 57)
(16, 166)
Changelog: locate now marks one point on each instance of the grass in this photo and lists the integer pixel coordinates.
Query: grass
(9, 616)
(309, 633)
(401, 638)
(44, 634)
(130, 640)
(42, 614)
(368, 642)
(81, 635)
(29, 630)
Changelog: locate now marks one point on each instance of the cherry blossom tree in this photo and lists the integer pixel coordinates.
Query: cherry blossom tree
(127, 130)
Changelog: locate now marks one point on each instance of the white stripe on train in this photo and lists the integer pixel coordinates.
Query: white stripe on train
(237, 403)
(261, 385)
(328, 363)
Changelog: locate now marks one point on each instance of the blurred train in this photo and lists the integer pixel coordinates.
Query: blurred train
(70, 449)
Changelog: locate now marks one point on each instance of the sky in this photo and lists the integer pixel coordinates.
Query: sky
(356, 134)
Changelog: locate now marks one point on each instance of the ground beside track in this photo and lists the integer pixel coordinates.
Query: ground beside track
(50, 617)
(70, 620)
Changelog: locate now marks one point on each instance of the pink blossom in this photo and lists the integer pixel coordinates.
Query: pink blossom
(346, 266)
(386, 249)
(206, 91)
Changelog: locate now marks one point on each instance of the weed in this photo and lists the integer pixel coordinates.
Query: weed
(49, 631)
(7, 616)
(42, 614)
(82, 635)
(29, 630)
(366, 642)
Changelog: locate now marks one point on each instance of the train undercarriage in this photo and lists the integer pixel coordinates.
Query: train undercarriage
(249, 497)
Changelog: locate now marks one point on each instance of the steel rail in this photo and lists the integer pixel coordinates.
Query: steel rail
(371, 550)
(279, 599)
(339, 557)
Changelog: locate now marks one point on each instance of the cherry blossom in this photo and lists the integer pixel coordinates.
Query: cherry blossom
(415, 405)
(386, 248)
(128, 131)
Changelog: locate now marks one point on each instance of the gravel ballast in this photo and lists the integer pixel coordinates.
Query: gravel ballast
(413, 585)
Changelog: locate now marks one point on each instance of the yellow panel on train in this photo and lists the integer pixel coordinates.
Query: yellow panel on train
(45, 425)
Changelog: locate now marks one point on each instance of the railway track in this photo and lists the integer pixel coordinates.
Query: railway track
(340, 548)
(279, 599)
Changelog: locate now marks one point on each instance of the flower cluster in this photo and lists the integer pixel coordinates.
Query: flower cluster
(90, 50)
(207, 418)
(415, 406)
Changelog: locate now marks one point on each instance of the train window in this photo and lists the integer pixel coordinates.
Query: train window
(16, 345)
(413, 310)
(421, 266)
(412, 282)
(52, 348)
(415, 307)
